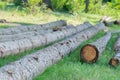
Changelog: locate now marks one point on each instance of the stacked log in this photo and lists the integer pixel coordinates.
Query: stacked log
(31, 65)
(115, 60)
(20, 29)
(3, 21)
(91, 52)
(17, 46)
(4, 38)
(116, 22)
(107, 21)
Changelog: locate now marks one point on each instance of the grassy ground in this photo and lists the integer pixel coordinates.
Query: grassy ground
(69, 68)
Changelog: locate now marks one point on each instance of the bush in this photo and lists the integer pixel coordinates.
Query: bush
(17, 2)
(2, 5)
(58, 4)
(68, 5)
(73, 6)
(27, 2)
(34, 2)
(114, 4)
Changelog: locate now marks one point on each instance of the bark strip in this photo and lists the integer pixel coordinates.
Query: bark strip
(17, 46)
(91, 51)
(34, 64)
(20, 29)
(115, 60)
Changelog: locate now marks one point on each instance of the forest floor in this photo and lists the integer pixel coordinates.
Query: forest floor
(69, 68)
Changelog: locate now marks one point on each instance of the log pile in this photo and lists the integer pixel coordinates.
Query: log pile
(115, 60)
(107, 21)
(3, 21)
(20, 29)
(91, 52)
(17, 46)
(40, 60)
(28, 34)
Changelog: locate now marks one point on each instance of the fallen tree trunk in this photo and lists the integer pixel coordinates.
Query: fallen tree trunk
(117, 22)
(3, 21)
(31, 65)
(4, 38)
(115, 60)
(91, 52)
(17, 46)
(20, 29)
(107, 21)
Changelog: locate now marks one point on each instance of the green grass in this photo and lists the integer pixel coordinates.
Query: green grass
(69, 68)
(7, 59)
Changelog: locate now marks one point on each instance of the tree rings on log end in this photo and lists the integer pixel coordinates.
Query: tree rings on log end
(113, 62)
(89, 53)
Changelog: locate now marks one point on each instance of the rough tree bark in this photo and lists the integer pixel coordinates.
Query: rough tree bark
(115, 60)
(31, 65)
(17, 46)
(4, 38)
(91, 52)
(21, 29)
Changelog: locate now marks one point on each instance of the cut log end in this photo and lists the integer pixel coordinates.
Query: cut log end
(89, 53)
(113, 62)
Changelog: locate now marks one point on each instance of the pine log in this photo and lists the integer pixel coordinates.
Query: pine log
(3, 21)
(20, 29)
(107, 21)
(90, 52)
(34, 64)
(4, 38)
(100, 26)
(17, 46)
(117, 22)
(115, 60)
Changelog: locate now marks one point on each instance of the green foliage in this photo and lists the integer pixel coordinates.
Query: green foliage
(68, 5)
(58, 4)
(34, 2)
(2, 5)
(114, 4)
(27, 2)
(17, 2)
(73, 5)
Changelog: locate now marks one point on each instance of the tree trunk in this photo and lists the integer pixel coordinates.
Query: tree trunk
(21, 29)
(100, 26)
(117, 22)
(91, 52)
(3, 21)
(17, 46)
(31, 65)
(86, 5)
(48, 3)
(115, 60)
(107, 21)
(4, 38)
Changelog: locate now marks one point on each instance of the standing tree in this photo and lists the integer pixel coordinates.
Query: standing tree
(48, 3)
(105, 1)
(87, 5)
